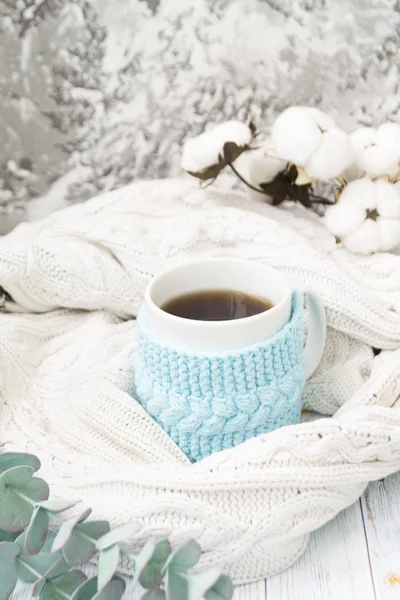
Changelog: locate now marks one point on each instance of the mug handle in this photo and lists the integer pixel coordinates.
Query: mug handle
(316, 335)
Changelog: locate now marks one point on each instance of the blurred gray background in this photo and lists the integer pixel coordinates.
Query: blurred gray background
(95, 94)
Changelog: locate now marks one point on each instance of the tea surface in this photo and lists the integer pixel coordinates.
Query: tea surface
(216, 305)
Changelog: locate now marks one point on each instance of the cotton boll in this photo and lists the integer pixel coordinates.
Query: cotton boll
(365, 240)
(361, 192)
(375, 152)
(388, 199)
(309, 138)
(343, 219)
(360, 139)
(353, 172)
(363, 137)
(390, 233)
(323, 121)
(202, 151)
(377, 160)
(296, 134)
(388, 134)
(333, 155)
(264, 165)
(378, 224)
(233, 131)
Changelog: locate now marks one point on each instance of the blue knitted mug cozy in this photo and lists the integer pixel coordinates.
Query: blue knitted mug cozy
(209, 402)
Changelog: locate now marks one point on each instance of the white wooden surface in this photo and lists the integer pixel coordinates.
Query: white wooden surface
(354, 557)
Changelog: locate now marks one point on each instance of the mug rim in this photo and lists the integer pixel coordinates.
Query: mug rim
(212, 324)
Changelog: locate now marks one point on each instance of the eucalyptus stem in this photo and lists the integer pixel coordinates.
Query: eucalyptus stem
(61, 592)
(26, 498)
(82, 534)
(55, 573)
(29, 568)
(39, 575)
(54, 516)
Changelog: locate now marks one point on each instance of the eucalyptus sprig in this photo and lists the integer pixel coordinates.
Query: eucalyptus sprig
(35, 551)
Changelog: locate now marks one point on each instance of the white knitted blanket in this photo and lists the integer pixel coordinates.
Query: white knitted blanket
(67, 352)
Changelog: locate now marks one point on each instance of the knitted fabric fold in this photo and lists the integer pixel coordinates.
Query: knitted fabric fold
(68, 348)
(211, 402)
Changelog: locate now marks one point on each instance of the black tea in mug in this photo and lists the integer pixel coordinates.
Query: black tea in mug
(216, 305)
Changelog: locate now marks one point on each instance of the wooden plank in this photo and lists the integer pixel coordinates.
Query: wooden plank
(251, 591)
(131, 592)
(335, 565)
(380, 506)
(23, 591)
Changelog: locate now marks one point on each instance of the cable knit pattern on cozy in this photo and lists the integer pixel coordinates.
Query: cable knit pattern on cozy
(66, 378)
(210, 403)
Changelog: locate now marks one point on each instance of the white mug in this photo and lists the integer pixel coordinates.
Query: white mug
(190, 335)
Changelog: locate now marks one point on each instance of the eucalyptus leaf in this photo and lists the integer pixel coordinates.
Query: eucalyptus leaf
(108, 563)
(143, 558)
(38, 587)
(17, 501)
(202, 581)
(37, 531)
(149, 563)
(119, 534)
(113, 590)
(154, 595)
(56, 506)
(20, 541)
(31, 568)
(162, 550)
(85, 514)
(151, 574)
(15, 476)
(8, 536)
(36, 489)
(48, 593)
(8, 572)
(176, 586)
(65, 531)
(86, 590)
(49, 541)
(68, 582)
(185, 557)
(44, 558)
(81, 545)
(15, 511)
(57, 569)
(9, 551)
(16, 459)
(63, 586)
(221, 590)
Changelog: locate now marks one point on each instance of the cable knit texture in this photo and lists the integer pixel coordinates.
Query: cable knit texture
(68, 348)
(210, 403)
